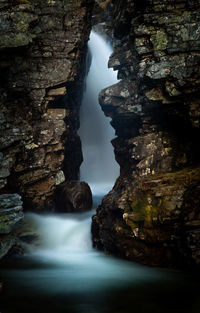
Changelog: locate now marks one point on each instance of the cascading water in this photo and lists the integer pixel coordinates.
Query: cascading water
(99, 168)
(63, 274)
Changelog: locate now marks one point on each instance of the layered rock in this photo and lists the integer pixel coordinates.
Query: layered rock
(42, 51)
(10, 214)
(152, 215)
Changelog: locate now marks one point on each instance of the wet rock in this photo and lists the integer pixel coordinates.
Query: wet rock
(152, 213)
(73, 196)
(43, 48)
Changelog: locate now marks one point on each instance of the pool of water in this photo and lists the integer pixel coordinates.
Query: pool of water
(65, 274)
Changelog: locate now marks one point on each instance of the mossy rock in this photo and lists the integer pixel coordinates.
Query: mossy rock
(159, 199)
(145, 209)
(160, 40)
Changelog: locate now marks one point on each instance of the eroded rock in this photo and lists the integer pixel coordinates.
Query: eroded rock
(154, 110)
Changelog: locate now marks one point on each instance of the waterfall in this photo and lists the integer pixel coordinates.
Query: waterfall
(99, 168)
(65, 234)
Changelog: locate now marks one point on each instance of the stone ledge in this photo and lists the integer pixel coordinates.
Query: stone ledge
(10, 212)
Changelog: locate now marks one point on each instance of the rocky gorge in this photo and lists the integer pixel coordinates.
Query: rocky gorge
(152, 214)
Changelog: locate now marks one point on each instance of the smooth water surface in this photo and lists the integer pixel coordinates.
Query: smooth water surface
(64, 274)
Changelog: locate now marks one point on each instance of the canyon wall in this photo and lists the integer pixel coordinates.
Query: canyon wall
(152, 215)
(42, 61)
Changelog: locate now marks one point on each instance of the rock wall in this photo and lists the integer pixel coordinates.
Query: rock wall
(10, 214)
(42, 51)
(152, 215)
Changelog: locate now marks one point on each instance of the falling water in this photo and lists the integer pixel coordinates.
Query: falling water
(99, 168)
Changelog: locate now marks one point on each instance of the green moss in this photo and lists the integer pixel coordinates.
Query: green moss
(160, 40)
(149, 201)
(144, 209)
(15, 40)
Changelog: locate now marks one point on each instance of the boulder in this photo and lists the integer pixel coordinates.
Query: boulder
(73, 196)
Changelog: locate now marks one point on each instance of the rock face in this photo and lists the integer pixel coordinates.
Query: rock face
(153, 213)
(73, 196)
(42, 51)
(10, 214)
(102, 18)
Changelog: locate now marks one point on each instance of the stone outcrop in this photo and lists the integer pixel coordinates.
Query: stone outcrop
(152, 215)
(73, 196)
(42, 52)
(10, 214)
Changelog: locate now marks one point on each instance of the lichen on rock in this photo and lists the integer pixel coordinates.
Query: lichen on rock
(156, 53)
(42, 69)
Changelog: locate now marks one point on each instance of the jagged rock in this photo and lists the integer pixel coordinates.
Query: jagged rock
(73, 196)
(42, 56)
(155, 111)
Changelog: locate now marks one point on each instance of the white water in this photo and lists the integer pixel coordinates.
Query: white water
(99, 168)
(71, 264)
(65, 275)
